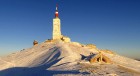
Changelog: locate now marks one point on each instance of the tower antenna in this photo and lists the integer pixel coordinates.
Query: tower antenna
(56, 7)
(56, 12)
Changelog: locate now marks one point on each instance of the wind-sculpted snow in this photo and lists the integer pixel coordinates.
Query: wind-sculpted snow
(125, 62)
(63, 59)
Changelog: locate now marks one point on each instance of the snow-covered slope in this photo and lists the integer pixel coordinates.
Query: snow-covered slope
(58, 58)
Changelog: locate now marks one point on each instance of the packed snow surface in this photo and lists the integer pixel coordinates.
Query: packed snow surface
(64, 59)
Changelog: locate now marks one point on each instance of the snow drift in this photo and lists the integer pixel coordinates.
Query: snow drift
(58, 58)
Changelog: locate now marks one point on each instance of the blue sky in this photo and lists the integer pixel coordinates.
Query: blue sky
(109, 24)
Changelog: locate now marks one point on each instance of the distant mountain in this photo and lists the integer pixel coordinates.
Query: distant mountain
(57, 58)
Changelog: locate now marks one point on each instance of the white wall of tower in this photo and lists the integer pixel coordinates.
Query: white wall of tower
(56, 28)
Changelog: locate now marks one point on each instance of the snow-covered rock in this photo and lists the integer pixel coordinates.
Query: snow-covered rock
(64, 59)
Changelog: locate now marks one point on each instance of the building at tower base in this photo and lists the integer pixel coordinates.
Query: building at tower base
(65, 39)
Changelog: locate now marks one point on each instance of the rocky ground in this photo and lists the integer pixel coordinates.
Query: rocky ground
(65, 59)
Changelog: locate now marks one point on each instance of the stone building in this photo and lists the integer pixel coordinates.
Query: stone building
(56, 34)
(65, 39)
(56, 26)
(35, 42)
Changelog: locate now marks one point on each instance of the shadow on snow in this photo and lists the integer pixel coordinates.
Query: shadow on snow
(37, 71)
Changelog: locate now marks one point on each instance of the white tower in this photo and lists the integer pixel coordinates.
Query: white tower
(56, 26)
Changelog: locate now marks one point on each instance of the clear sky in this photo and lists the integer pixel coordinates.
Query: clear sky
(109, 24)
